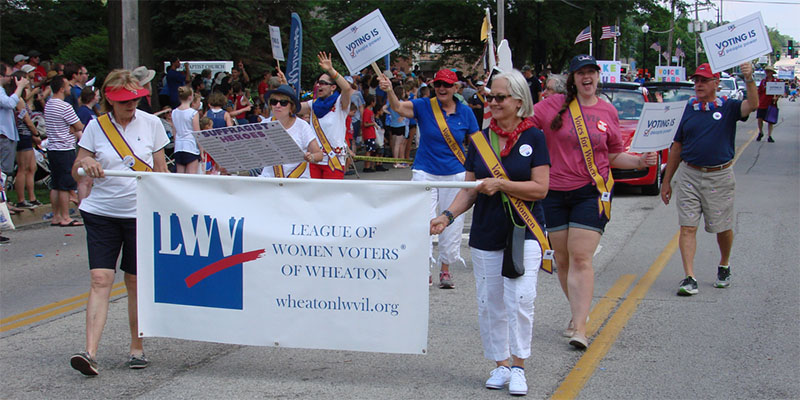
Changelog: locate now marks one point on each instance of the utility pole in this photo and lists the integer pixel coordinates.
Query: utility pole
(501, 20)
(696, 19)
(130, 34)
(671, 29)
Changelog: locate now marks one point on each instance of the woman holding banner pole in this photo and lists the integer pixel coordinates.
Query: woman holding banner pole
(123, 138)
(512, 162)
(284, 105)
(443, 123)
(583, 137)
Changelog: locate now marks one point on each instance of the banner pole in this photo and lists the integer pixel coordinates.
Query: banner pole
(376, 69)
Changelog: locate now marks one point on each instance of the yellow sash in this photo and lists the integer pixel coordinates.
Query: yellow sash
(604, 187)
(129, 159)
(333, 159)
(489, 157)
(448, 136)
(296, 172)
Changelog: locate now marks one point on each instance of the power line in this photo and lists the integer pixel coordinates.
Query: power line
(790, 3)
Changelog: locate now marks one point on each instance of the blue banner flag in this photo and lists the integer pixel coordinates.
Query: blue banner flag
(295, 54)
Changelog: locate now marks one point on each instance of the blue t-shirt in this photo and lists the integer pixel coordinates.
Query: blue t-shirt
(86, 114)
(490, 218)
(175, 80)
(433, 154)
(708, 137)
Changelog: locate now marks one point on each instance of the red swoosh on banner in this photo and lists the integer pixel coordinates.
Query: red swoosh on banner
(220, 265)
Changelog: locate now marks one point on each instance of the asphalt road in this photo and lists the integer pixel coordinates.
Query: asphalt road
(740, 342)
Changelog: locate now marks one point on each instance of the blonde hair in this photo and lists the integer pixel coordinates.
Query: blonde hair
(118, 78)
(206, 123)
(185, 93)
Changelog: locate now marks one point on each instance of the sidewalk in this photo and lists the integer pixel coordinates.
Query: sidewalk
(34, 216)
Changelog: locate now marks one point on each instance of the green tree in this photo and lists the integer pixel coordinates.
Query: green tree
(91, 51)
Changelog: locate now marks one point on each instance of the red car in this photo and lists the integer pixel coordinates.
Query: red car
(629, 98)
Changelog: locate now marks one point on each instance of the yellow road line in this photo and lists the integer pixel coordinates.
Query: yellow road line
(605, 305)
(584, 368)
(59, 307)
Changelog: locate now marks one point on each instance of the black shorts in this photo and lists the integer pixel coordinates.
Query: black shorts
(105, 236)
(397, 130)
(61, 170)
(574, 209)
(761, 113)
(25, 143)
(184, 158)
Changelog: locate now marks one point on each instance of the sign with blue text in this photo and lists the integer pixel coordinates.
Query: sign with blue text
(293, 263)
(277, 46)
(786, 72)
(740, 41)
(657, 126)
(249, 146)
(365, 41)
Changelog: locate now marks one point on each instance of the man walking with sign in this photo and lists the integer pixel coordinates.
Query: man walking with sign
(443, 122)
(764, 101)
(704, 149)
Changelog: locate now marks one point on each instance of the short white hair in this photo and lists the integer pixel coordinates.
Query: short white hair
(518, 89)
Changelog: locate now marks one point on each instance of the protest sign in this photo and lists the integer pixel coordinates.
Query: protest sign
(776, 88)
(657, 126)
(275, 39)
(786, 72)
(609, 71)
(197, 67)
(670, 74)
(737, 42)
(284, 262)
(244, 147)
(365, 41)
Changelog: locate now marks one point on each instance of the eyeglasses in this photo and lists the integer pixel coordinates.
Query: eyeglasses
(437, 84)
(325, 83)
(699, 79)
(498, 97)
(283, 102)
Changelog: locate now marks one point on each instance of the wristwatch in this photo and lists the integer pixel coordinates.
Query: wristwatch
(450, 217)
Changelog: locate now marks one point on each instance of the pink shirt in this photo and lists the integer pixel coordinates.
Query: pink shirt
(568, 169)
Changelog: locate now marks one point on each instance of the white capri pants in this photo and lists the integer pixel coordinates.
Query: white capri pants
(450, 239)
(505, 306)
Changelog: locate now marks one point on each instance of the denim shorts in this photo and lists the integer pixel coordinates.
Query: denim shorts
(574, 209)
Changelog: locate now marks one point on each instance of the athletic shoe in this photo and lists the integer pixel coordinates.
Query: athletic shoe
(4, 239)
(770, 139)
(380, 168)
(137, 362)
(579, 342)
(723, 277)
(518, 385)
(36, 203)
(499, 378)
(368, 170)
(444, 281)
(688, 287)
(760, 135)
(350, 172)
(84, 363)
(24, 204)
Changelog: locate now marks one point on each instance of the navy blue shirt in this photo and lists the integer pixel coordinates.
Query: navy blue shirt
(708, 137)
(175, 80)
(433, 154)
(490, 220)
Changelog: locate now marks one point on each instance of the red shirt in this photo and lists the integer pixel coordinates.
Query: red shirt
(348, 135)
(765, 100)
(368, 117)
(263, 87)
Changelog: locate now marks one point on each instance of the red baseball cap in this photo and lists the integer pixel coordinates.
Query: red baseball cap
(446, 75)
(123, 94)
(704, 70)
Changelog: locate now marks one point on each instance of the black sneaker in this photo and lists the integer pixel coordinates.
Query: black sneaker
(36, 203)
(367, 170)
(137, 362)
(723, 277)
(24, 204)
(381, 168)
(770, 139)
(84, 363)
(688, 287)
(4, 239)
(760, 135)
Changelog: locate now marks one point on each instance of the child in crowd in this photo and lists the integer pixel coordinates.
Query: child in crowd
(348, 138)
(368, 131)
(186, 120)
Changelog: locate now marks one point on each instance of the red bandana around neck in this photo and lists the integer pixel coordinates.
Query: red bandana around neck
(511, 137)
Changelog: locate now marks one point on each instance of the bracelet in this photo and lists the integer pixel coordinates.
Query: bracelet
(749, 80)
(450, 217)
(336, 76)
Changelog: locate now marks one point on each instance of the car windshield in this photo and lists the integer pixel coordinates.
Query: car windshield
(727, 84)
(667, 94)
(628, 103)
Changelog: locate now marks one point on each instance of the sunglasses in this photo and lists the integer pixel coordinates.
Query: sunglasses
(499, 98)
(325, 83)
(437, 84)
(274, 102)
(699, 79)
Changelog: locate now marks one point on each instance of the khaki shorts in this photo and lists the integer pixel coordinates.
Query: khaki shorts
(708, 193)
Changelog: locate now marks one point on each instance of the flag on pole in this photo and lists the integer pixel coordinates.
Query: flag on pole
(586, 34)
(666, 55)
(679, 52)
(656, 46)
(609, 32)
(485, 28)
(490, 49)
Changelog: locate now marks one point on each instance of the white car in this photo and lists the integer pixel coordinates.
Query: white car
(729, 88)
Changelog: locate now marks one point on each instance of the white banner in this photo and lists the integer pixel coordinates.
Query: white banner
(609, 71)
(365, 41)
(277, 46)
(197, 67)
(300, 263)
(657, 126)
(737, 42)
(776, 88)
(670, 74)
(786, 72)
(249, 146)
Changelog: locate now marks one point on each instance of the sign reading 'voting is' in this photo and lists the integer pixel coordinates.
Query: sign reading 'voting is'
(365, 41)
(657, 126)
(739, 41)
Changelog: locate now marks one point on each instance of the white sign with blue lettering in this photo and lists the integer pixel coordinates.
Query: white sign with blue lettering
(249, 146)
(277, 46)
(657, 126)
(737, 42)
(292, 263)
(365, 41)
(776, 88)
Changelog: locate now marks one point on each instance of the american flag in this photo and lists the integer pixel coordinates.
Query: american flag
(679, 52)
(586, 34)
(665, 54)
(655, 46)
(609, 32)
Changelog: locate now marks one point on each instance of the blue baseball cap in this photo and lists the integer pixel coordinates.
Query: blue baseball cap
(582, 60)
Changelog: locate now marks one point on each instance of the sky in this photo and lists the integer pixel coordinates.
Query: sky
(781, 14)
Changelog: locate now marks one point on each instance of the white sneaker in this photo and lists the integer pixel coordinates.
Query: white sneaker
(518, 386)
(500, 377)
